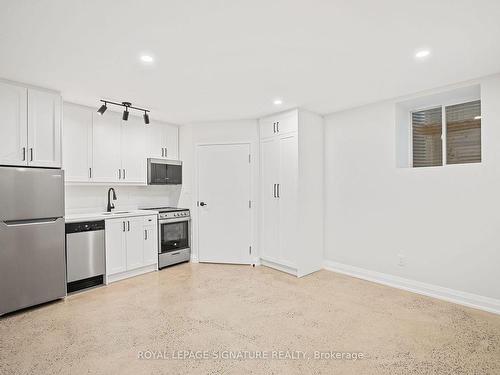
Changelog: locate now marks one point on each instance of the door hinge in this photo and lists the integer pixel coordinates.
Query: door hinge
(250, 250)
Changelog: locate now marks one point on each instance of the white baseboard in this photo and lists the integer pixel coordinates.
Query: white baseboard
(194, 258)
(462, 298)
(132, 273)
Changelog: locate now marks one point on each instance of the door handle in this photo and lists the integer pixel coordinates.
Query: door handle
(123, 226)
(31, 153)
(162, 152)
(166, 152)
(277, 127)
(278, 190)
(274, 190)
(124, 173)
(274, 127)
(203, 204)
(128, 226)
(24, 153)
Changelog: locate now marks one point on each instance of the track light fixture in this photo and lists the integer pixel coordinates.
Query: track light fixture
(127, 106)
(102, 109)
(125, 113)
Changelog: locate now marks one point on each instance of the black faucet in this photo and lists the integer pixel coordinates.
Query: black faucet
(111, 205)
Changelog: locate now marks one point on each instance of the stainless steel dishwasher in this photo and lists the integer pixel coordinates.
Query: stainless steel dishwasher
(85, 262)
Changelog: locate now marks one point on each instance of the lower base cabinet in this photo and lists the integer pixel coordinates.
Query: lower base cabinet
(131, 246)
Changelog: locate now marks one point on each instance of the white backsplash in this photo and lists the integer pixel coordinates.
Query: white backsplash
(91, 198)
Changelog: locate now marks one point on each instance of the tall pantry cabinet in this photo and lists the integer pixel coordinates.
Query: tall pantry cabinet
(291, 225)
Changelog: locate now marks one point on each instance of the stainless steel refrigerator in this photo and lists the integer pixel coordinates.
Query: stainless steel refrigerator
(32, 239)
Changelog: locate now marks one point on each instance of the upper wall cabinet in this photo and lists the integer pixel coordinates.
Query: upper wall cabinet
(13, 142)
(77, 143)
(280, 124)
(105, 149)
(162, 141)
(44, 129)
(106, 146)
(31, 126)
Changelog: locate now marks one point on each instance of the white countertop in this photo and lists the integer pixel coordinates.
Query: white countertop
(95, 216)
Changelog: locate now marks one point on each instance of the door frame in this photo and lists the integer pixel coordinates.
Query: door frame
(252, 259)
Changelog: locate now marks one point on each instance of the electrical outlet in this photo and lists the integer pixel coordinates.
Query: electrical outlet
(401, 260)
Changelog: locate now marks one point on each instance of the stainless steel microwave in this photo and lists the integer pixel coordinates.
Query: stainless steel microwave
(164, 172)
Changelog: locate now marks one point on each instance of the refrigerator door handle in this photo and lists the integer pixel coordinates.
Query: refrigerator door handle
(18, 223)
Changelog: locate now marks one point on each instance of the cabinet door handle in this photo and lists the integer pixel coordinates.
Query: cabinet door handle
(31, 153)
(277, 127)
(274, 190)
(274, 127)
(123, 226)
(145, 234)
(124, 174)
(162, 152)
(24, 153)
(90, 172)
(166, 153)
(128, 226)
(119, 174)
(278, 190)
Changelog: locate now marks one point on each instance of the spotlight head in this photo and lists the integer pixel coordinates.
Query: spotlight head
(146, 118)
(125, 114)
(102, 109)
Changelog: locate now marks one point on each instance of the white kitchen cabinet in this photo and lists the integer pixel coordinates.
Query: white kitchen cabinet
(105, 149)
(163, 141)
(116, 256)
(131, 246)
(135, 242)
(31, 126)
(44, 129)
(77, 143)
(269, 157)
(106, 146)
(291, 229)
(133, 157)
(13, 105)
(280, 124)
(150, 240)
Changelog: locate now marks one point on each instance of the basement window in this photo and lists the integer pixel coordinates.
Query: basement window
(441, 129)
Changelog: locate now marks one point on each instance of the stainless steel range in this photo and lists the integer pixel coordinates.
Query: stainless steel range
(174, 233)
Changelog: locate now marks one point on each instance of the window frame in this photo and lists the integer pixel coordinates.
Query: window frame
(444, 128)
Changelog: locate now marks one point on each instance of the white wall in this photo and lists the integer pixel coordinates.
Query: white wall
(444, 220)
(92, 198)
(216, 132)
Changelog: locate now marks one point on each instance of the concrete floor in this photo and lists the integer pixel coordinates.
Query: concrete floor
(197, 307)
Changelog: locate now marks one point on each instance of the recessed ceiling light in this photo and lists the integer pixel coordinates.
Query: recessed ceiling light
(422, 54)
(278, 102)
(148, 59)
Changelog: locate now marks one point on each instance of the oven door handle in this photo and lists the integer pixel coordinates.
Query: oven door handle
(170, 221)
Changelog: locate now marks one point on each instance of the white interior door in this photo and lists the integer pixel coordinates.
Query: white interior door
(224, 192)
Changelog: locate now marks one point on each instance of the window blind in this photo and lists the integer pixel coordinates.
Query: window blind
(426, 133)
(463, 133)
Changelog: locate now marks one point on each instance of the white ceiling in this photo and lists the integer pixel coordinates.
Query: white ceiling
(229, 59)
